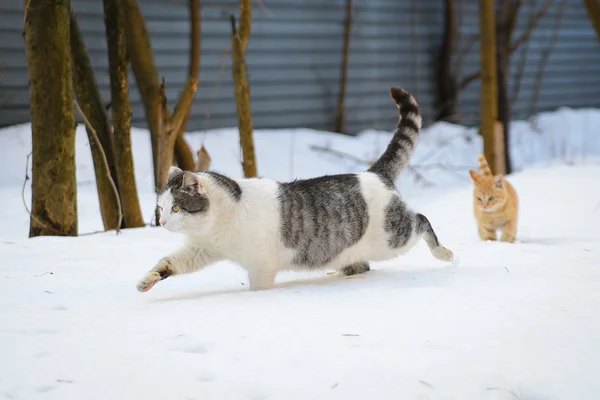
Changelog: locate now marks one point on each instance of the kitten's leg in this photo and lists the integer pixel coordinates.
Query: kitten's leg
(261, 279)
(486, 233)
(509, 232)
(356, 268)
(437, 250)
(186, 260)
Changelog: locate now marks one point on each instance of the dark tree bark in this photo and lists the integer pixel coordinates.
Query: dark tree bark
(242, 91)
(593, 10)
(90, 101)
(121, 114)
(340, 114)
(447, 86)
(54, 187)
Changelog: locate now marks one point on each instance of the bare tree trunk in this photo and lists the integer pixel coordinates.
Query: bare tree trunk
(489, 105)
(183, 153)
(121, 114)
(448, 90)
(54, 186)
(593, 10)
(143, 67)
(242, 91)
(340, 115)
(142, 64)
(505, 25)
(88, 96)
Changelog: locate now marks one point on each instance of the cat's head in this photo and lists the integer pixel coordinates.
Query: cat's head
(185, 204)
(489, 191)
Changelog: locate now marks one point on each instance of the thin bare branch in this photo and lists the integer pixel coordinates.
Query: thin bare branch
(469, 79)
(262, 5)
(545, 56)
(110, 179)
(471, 42)
(521, 65)
(531, 26)
(515, 44)
(218, 84)
(184, 104)
(245, 23)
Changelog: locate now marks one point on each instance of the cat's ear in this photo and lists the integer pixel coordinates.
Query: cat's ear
(499, 181)
(194, 182)
(173, 169)
(474, 176)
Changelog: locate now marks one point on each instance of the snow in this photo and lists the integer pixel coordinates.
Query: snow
(510, 321)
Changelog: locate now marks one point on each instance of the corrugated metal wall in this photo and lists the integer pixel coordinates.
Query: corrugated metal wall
(294, 54)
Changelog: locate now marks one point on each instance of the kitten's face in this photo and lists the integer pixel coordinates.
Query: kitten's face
(184, 205)
(488, 191)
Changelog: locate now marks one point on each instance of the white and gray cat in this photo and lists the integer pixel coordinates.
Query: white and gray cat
(337, 222)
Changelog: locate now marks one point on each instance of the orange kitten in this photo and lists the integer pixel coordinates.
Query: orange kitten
(495, 204)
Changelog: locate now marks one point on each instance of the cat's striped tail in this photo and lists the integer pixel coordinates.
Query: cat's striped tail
(484, 167)
(403, 143)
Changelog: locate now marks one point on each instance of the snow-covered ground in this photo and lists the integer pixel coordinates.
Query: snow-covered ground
(512, 321)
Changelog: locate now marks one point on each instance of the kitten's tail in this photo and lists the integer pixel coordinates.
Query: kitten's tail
(402, 145)
(484, 167)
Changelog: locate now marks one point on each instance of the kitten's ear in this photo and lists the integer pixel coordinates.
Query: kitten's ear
(499, 180)
(194, 182)
(173, 169)
(474, 175)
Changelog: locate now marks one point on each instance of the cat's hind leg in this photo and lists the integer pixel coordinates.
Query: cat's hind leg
(261, 279)
(423, 228)
(355, 269)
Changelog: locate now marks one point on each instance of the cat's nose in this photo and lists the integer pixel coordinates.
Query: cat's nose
(163, 222)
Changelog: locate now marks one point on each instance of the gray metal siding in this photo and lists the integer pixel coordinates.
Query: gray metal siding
(294, 55)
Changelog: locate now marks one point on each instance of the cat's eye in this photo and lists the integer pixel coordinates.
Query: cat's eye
(479, 199)
(175, 208)
(491, 198)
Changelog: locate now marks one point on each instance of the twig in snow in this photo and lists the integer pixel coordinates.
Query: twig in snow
(108, 175)
(429, 385)
(516, 396)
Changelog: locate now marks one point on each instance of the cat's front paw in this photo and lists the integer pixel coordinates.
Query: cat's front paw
(148, 281)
